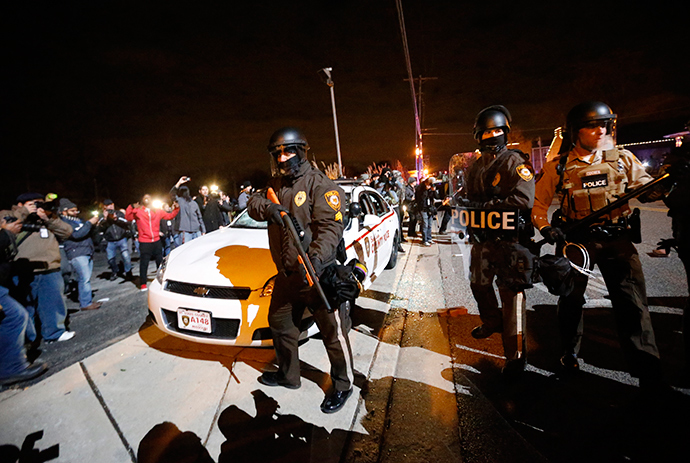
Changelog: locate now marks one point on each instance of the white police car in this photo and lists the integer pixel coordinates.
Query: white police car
(217, 288)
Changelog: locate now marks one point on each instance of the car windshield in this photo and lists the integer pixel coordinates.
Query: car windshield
(244, 221)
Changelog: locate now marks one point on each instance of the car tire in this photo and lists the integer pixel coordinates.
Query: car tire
(394, 253)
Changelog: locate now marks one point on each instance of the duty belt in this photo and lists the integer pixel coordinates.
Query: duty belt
(604, 231)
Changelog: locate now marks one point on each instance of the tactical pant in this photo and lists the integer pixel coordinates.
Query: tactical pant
(490, 261)
(620, 266)
(291, 295)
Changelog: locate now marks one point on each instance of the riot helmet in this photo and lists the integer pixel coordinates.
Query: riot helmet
(493, 117)
(584, 115)
(287, 140)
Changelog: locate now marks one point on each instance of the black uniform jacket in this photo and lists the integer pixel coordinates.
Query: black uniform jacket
(315, 201)
(501, 182)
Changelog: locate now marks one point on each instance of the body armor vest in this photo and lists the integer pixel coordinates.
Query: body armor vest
(588, 188)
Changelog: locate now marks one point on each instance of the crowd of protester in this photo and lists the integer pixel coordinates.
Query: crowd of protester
(46, 256)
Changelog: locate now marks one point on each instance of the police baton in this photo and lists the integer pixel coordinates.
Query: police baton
(591, 218)
(303, 258)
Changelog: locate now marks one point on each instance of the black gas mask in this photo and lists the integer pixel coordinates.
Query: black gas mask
(493, 145)
(291, 167)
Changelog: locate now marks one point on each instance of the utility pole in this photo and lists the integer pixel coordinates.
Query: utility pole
(420, 108)
(326, 72)
(420, 101)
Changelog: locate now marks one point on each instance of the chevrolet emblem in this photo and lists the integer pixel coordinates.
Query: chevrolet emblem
(201, 291)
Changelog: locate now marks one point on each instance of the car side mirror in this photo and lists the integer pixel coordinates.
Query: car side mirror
(355, 209)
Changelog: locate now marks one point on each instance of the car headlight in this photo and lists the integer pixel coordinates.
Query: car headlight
(267, 290)
(160, 274)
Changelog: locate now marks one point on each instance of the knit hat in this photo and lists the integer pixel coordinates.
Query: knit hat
(66, 204)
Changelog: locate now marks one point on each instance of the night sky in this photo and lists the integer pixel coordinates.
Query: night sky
(118, 98)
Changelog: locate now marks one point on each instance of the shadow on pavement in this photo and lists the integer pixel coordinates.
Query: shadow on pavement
(598, 414)
(266, 437)
(28, 453)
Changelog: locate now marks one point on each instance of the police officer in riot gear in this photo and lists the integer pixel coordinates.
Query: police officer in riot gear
(314, 203)
(500, 178)
(589, 174)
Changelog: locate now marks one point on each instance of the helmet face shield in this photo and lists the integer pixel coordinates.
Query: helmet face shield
(287, 150)
(287, 136)
(295, 155)
(493, 117)
(287, 141)
(590, 115)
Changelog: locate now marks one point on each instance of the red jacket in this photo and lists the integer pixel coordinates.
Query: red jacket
(149, 221)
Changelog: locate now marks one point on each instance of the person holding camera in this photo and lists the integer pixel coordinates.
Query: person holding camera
(38, 283)
(215, 211)
(116, 232)
(14, 366)
(79, 251)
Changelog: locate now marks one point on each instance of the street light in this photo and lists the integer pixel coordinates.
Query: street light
(326, 76)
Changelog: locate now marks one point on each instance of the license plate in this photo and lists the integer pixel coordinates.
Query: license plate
(194, 320)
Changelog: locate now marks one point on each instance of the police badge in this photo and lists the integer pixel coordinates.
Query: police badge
(300, 197)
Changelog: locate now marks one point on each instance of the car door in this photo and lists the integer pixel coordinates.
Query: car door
(383, 233)
(359, 235)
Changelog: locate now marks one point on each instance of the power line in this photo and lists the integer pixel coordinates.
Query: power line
(406, 51)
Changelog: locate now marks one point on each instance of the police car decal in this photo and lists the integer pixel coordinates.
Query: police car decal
(525, 172)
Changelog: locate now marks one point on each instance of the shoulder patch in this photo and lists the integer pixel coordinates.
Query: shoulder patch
(333, 199)
(525, 173)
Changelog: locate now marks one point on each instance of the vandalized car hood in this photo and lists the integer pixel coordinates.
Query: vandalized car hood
(226, 257)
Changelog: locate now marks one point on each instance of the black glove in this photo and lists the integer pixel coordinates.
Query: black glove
(553, 235)
(273, 213)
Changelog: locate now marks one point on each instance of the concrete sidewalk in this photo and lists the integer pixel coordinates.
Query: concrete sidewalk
(152, 393)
